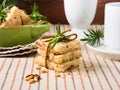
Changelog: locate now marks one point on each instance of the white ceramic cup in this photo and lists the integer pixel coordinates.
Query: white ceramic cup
(80, 14)
(112, 25)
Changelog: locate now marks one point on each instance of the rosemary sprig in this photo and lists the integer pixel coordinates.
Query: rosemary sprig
(59, 37)
(4, 9)
(93, 37)
(35, 15)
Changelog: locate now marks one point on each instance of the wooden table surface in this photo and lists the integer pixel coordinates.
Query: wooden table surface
(94, 73)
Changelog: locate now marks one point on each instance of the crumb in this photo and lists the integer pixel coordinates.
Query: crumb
(71, 71)
(88, 65)
(77, 75)
(89, 68)
(38, 67)
(68, 73)
(57, 74)
(84, 74)
(43, 71)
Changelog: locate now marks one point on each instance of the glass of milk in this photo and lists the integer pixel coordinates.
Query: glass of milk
(80, 14)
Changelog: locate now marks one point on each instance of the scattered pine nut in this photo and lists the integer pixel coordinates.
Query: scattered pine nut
(31, 81)
(36, 77)
(28, 77)
(32, 78)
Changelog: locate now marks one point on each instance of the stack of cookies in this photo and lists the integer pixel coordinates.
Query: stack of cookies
(62, 57)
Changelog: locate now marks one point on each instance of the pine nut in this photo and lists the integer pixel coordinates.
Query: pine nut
(31, 81)
(28, 77)
(36, 77)
(32, 78)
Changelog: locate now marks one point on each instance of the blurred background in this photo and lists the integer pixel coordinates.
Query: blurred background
(54, 9)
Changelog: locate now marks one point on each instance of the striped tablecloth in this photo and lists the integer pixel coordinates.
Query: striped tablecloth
(95, 73)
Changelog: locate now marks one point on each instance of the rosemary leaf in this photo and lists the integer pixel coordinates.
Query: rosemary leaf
(59, 37)
(35, 15)
(4, 9)
(93, 37)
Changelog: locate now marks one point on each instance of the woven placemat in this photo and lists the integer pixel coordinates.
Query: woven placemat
(18, 50)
